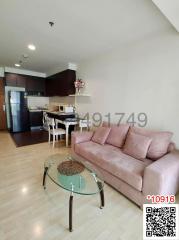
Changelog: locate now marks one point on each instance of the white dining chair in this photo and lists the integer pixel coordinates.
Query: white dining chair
(84, 123)
(45, 125)
(54, 130)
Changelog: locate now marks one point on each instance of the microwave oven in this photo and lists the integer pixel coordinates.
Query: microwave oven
(66, 109)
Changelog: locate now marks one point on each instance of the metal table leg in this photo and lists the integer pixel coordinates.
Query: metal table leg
(44, 177)
(101, 194)
(71, 213)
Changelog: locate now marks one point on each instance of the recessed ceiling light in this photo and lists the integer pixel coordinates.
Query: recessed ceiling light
(17, 64)
(31, 47)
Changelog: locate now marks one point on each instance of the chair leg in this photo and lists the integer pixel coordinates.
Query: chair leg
(59, 137)
(53, 140)
(49, 137)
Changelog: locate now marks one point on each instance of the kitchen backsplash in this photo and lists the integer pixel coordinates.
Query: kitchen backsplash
(62, 100)
(34, 102)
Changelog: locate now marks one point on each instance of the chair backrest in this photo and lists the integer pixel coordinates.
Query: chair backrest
(85, 123)
(45, 116)
(50, 123)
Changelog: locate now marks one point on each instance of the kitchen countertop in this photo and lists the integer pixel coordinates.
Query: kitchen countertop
(61, 113)
(37, 110)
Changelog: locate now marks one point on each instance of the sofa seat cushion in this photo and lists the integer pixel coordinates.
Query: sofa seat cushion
(114, 161)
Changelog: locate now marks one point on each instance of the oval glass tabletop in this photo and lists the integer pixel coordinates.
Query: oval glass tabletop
(72, 175)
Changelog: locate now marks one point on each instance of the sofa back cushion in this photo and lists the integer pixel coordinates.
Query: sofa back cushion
(137, 145)
(171, 147)
(101, 135)
(118, 134)
(159, 144)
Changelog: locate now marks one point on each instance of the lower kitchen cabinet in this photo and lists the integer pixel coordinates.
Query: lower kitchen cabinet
(36, 118)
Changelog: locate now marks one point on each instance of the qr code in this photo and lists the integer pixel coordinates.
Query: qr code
(160, 221)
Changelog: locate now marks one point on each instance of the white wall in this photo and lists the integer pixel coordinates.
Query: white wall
(143, 77)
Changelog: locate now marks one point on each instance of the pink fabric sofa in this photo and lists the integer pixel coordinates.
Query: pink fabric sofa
(132, 177)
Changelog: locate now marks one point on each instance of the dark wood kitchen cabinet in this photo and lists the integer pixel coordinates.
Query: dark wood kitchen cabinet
(21, 81)
(36, 118)
(61, 84)
(15, 80)
(11, 79)
(33, 85)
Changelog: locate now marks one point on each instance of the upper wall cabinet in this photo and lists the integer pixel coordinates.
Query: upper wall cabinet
(61, 84)
(15, 80)
(33, 85)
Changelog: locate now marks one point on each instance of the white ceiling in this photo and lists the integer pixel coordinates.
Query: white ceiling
(83, 28)
(170, 8)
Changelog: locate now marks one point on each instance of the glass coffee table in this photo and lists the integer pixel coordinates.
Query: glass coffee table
(74, 176)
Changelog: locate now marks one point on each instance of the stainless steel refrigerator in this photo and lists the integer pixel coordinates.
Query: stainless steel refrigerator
(19, 114)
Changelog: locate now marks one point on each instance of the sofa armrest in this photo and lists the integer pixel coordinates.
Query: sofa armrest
(78, 137)
(162, 176)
